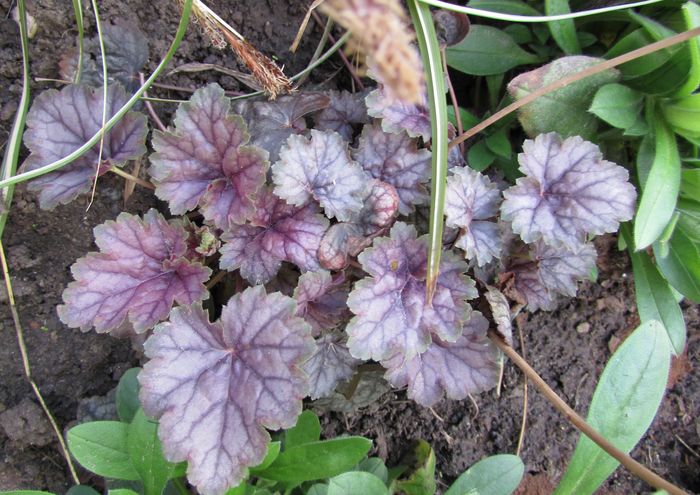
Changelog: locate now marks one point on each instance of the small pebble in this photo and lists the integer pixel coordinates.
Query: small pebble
(583, 327)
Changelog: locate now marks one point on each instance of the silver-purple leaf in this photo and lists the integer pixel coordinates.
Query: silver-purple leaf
(568, 191)
(455, 369)
(216, 387)
(278, 232)
(344, 110)
(322, 300)
(272, 122)
(345, 239)
(392, 315)
(60, 122)
(398, 116)
(204, 162)
(320, 168)
(140, 271)
(330, 364)
(396, 160)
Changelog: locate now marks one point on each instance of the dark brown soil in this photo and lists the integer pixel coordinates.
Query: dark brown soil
(71, 367)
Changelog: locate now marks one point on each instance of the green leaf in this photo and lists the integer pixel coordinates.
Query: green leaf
(82, 490)
(563, 32)
(121, 491)
(422, 479)
(317, 460)
(642, 66)
(690, 183)
(356, 483)
(565, 110)
(318, 489)
(499, 143)
(307, 429)
(25, 492)
(495, 475)
(128, 395)
(623, 406)
(375, 466)
(681, 266)
(147, 454)
(479, 156)
(486, 51)
(504, 7)
(691, 16)
(520, 33)
(273, 451)
(618, 105)
(683, 114)
(655, 301)
(101, 447)
(658, 199)
(469, 120)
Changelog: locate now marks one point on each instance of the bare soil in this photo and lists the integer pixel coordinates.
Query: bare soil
(73, 368)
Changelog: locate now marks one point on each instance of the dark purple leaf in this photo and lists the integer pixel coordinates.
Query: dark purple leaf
(321, 300)
(344, 110)
(396, 160)
(456, 369)
(350, 238)
(330, 364)
(471, 198)
(278, 232)
(272, 122)
(215, 387)
(203, 161)
(399, 116)
(320, 168)
(568, 191)
(391, 313)
(370, 386)
(60, 122)
(139, 273)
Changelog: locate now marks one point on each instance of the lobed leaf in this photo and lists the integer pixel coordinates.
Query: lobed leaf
(140, 271)
(398, 116)
(396, 160)
(392, 315)
(330, 364)
(456, 369)
(569, 191)
(215, 387)
(60, 122)
(321, 301)
(204, 162)
(343, 111)
(277, 232)
(320, 168)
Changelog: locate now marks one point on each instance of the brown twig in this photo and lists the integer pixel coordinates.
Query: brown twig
(216, 279)
(523, 424)
(453, 97)
(27, 368)
(128, 176)
(603, 66)
(149, 107)
(632, 466)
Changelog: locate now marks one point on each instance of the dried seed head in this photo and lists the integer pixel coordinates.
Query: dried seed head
(380, 31)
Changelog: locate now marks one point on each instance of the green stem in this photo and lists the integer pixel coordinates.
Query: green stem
(78, 10)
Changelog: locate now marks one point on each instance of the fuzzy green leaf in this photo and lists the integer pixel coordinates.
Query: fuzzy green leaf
(495, 475)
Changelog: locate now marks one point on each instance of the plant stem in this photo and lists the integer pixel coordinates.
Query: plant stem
(149, 106)
(27, 368)
(633, 466)
(343, 57)
(128, 176)
(319, 48)
(180, 487)
(603, 66)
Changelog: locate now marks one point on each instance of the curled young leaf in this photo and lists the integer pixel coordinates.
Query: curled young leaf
(470, 199)
(60, 122)
(278, 232)
(321, 300)
(320, 168)
(568, 191)
(140, 271)
(330, 364)
(398, 116)
(392, 315)
(344, 110)
(204, 161)
(456, 369)
(349, 238)
(215, 387)
(396, 160)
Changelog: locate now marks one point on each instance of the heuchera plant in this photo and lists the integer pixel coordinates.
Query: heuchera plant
(313, 202)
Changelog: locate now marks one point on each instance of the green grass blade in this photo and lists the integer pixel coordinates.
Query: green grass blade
(182, 27)
(563, 32)
(14, 142)
(435, 81)
(78, 9)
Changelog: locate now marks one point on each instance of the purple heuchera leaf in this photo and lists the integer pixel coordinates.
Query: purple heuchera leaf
(320, 168)
(203, 161)
(60, 122)
(470, 199)
(349, 238)
(391, 313)
(455, 368)
(569, 191)
(140, 271)
(278, 232)
(215, 387)
(344, 110)
(552, 271)
(272, 122)
(321, 300)
(396, 160)
(330, 364)
(399, 116)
